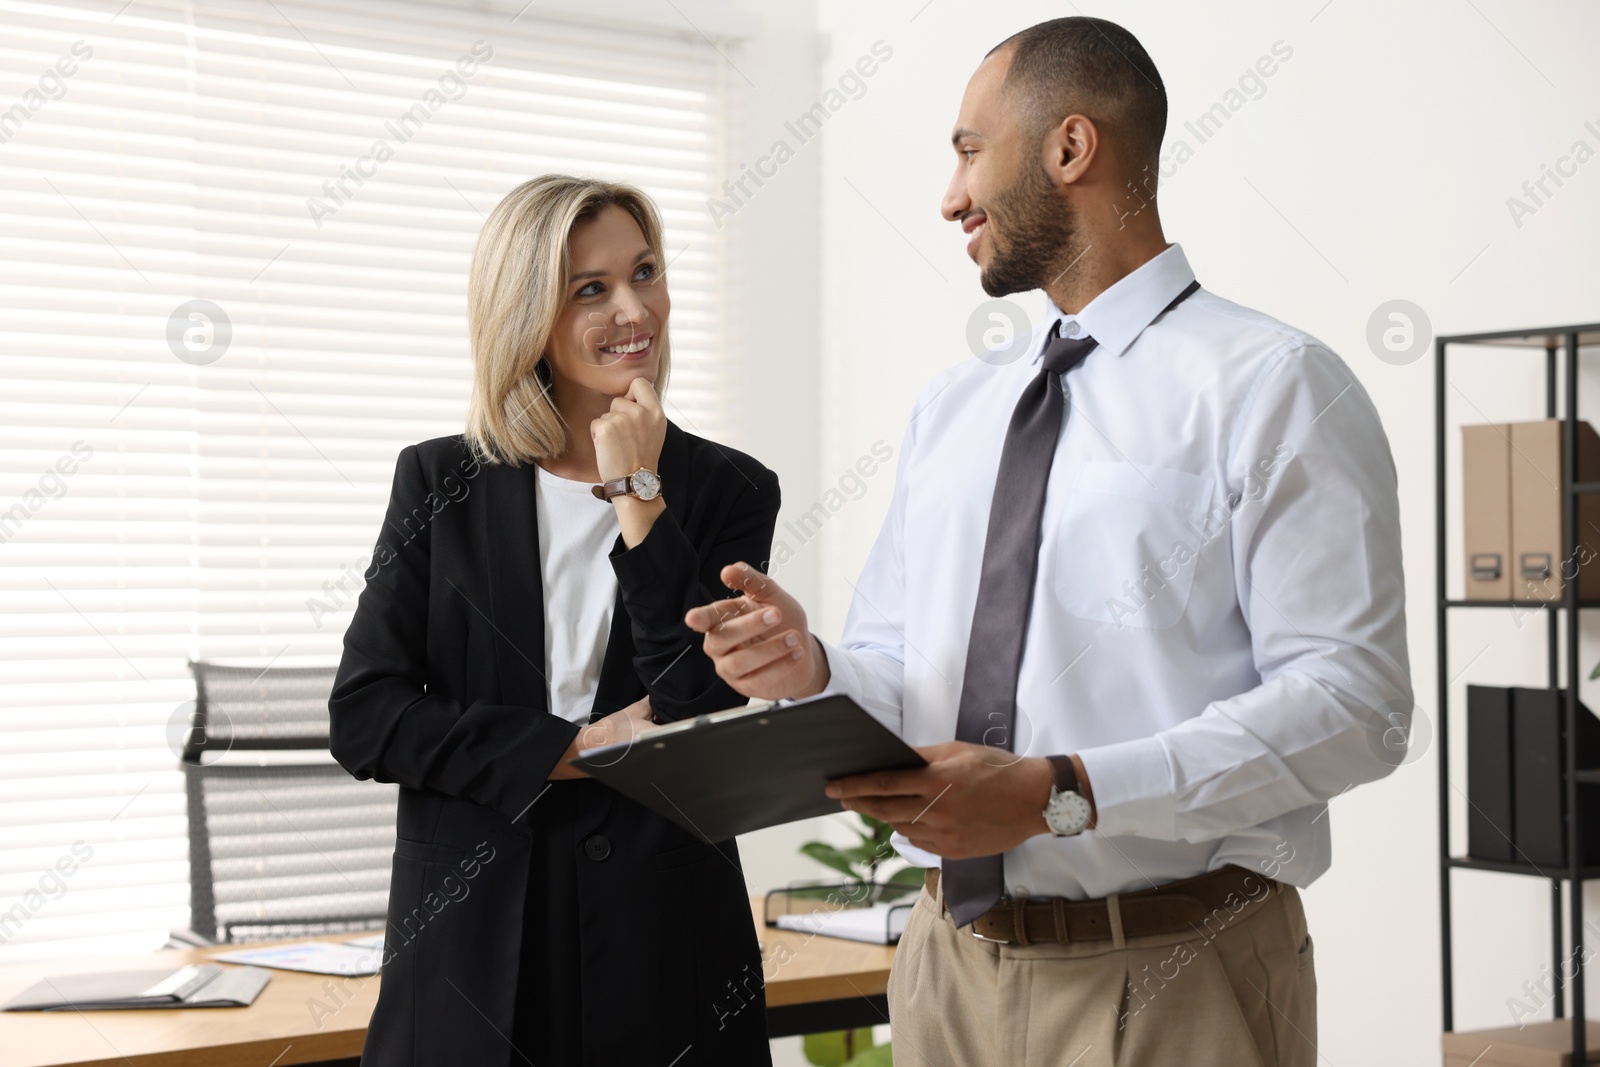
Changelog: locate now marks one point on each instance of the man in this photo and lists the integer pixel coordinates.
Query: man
(1145, 570)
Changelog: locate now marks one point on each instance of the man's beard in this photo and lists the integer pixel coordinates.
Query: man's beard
(1040, 236)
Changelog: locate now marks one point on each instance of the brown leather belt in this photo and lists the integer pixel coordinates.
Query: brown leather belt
(1204, 905)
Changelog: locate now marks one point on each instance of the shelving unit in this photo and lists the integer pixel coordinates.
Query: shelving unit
(1564, 341)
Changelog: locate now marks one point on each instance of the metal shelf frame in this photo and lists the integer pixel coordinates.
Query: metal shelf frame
(1563, 342)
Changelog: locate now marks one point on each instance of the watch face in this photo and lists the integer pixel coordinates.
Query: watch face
(646, 484)
(1067, 813)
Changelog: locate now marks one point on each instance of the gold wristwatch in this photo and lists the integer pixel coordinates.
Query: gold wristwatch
(643, 483)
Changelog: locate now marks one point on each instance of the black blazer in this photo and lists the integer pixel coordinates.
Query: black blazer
(442, 689)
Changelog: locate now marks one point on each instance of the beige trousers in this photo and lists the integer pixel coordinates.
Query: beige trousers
(1239, 992)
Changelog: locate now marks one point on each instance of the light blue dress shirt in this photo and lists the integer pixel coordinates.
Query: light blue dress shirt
(1218, 624)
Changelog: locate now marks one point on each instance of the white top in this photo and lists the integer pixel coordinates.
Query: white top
(576, 534)
(1218, 624)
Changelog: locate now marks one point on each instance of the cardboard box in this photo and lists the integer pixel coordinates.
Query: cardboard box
(1534, 1045)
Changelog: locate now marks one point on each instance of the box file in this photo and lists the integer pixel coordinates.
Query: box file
(1489, 812)
(1512, 529)
(1540, 567)
(1486, 506)
(1539, 761)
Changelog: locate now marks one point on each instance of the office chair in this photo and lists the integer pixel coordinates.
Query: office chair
(283, 849)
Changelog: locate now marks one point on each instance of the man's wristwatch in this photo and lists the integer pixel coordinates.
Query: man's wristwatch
(1068, 811)
(643, 483)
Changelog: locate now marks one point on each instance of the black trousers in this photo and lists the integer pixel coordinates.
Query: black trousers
(684, 1001)
(549, 1021)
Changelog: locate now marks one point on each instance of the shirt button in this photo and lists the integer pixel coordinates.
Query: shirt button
(597, 848)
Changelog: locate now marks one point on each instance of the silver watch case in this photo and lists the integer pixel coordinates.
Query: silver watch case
(1066, 813)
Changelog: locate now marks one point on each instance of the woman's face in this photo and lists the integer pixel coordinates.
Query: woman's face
(616, 308)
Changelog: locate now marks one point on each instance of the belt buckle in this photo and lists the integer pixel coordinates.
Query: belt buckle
(1003, 902)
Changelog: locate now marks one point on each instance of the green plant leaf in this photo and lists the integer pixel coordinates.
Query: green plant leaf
(836, 1047)
(1595, 673)
(876, 1056)
(908, 876)
(824, 1050)
(878, 827)
(829, 856)
(863, 855)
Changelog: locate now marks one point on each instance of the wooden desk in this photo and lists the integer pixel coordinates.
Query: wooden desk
(813, 983)
(821, 983)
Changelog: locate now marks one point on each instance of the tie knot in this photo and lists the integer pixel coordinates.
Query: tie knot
(1064, 353)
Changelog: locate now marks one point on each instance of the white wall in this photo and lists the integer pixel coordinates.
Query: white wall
(1376, 165)
(774, 309)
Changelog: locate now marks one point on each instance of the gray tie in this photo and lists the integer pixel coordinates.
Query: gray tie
(1005, 594)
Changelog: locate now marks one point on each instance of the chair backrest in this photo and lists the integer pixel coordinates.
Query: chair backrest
(250, 708)
(286, 849)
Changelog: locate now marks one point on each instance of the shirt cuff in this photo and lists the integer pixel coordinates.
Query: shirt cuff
(843, 680)
(1133, 791)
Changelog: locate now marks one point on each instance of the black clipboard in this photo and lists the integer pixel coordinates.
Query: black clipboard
(731, 772)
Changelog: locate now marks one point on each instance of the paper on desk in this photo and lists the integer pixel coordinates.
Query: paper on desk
(878, 924)
(312, 957)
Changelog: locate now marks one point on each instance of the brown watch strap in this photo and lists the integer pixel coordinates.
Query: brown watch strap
(616, 487)
(1066, 776)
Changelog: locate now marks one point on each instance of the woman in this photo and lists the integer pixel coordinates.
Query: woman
(511, 618)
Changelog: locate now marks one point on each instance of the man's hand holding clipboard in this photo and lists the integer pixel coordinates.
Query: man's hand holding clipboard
(968, 800)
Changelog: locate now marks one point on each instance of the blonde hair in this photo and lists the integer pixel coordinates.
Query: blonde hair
(515, 294)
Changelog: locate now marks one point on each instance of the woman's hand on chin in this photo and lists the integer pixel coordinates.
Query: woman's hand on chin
(630, 435)
(624, 725)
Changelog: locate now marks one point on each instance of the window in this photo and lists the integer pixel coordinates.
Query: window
(234, 242)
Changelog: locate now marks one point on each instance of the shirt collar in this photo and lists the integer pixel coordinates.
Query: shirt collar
(1117, 317)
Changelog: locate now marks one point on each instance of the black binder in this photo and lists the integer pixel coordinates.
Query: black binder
(730, 772)
(1489, 810)
(1539, 792)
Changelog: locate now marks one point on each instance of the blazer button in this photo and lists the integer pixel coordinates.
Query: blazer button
(597, 848)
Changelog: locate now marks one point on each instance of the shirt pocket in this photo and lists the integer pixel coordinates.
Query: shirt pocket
(1127, 541)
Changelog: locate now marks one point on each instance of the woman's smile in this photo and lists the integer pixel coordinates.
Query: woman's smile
(636, 348)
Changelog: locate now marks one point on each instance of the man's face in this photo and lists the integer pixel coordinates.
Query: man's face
(1019, 225)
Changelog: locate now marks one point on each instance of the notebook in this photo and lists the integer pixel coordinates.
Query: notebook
(877, 924)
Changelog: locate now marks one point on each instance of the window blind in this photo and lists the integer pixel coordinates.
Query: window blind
(234, 243)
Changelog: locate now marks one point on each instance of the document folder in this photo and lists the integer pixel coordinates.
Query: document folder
(201, 985)
(744, 769)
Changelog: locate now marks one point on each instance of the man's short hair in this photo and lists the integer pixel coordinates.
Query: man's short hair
(1089, 67)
